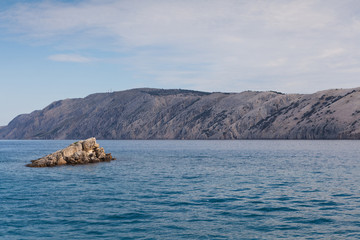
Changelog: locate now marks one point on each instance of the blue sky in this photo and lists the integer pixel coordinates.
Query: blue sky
(51, 50)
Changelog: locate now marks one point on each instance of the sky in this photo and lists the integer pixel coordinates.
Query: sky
(53, 49)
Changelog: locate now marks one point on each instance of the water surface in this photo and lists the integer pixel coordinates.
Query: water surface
(184, 190)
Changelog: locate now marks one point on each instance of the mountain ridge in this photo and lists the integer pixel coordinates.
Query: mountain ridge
(150, 113)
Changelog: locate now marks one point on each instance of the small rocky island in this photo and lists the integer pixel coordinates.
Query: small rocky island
(81, 152)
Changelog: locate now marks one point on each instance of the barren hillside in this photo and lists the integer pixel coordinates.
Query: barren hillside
(184, 114)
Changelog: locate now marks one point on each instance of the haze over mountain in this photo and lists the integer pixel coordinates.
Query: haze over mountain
(184, 114)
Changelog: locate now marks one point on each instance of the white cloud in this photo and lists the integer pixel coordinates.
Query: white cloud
(70, 58)
(277, 62)
(329, 53)
(258, 44)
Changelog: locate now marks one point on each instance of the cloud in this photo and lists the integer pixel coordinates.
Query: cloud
(255, 44)
(70, 58)
(277, 62)
(329, 53)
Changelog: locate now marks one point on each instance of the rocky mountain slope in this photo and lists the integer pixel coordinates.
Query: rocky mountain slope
(184, 114)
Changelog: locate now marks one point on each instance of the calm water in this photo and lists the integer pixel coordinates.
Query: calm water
(184, 190)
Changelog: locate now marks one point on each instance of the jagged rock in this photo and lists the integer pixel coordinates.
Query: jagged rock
(82, 152)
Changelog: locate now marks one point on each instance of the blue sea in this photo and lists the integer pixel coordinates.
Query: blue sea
(184, 190)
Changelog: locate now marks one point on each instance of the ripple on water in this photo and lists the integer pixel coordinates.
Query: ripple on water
(218, 200)
(318, 221)
(342, 195)
(128, 216)
(275, 209)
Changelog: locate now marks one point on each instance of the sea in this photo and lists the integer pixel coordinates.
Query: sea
(241, 189)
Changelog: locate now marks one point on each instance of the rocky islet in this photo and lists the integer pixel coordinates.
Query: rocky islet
(81, 152)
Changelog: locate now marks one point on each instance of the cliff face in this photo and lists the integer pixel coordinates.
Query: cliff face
(184, 114)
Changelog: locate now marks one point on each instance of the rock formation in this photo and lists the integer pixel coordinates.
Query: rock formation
(82, 152)
(184, 114)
